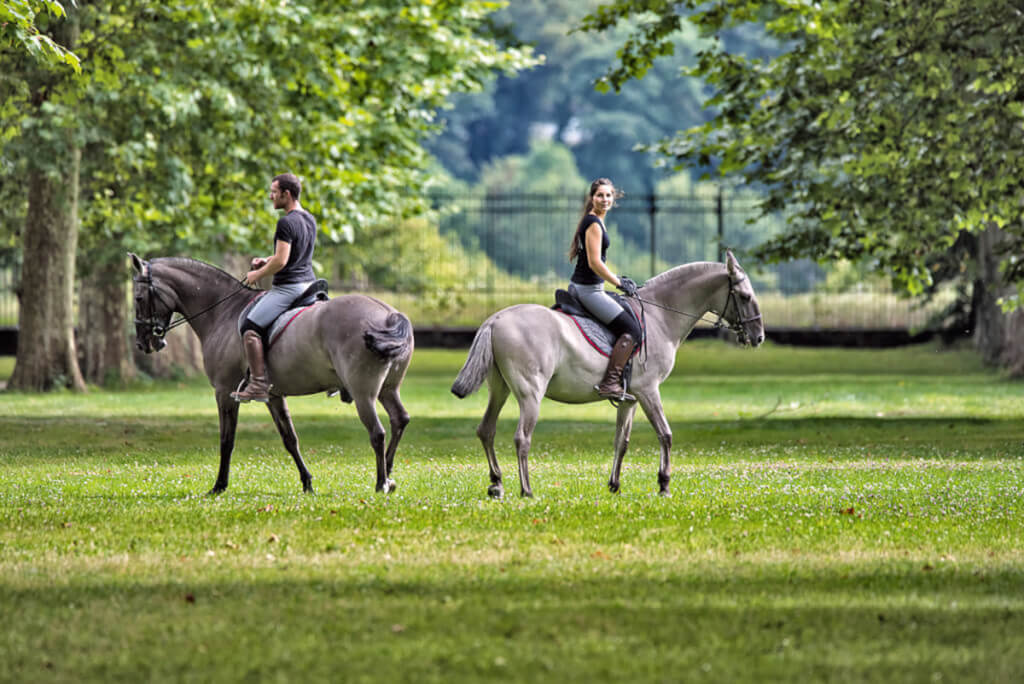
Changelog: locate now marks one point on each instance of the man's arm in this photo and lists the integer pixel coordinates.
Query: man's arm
(270, 265)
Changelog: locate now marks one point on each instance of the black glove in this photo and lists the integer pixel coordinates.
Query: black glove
(627, 285)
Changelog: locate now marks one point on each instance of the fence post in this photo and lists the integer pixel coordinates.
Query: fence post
(652, 209)
(720, 213)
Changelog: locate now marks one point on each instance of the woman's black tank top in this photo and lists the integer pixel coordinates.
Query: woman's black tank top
(584, 275)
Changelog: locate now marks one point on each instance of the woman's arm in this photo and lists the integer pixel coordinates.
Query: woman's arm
(593, 245)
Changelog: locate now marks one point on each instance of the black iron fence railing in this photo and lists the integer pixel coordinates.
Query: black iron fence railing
(481, 252)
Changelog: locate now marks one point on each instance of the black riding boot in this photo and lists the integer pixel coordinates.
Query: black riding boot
(258, 388)
(611, 386)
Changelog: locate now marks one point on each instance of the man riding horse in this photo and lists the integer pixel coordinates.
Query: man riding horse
(291, 264)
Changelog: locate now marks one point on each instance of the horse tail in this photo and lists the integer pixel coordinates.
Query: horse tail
(478, 363)
(393, 339)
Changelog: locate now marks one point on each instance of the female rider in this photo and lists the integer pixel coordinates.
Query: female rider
(589, 248)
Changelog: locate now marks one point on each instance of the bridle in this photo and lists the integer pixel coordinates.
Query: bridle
(730, 298)
(736, 326)
(157, 328)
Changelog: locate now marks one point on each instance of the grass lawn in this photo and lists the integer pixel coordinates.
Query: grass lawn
(836, 516)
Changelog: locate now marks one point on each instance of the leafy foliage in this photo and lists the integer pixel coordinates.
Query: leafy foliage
(186, 111)
(18, 31)
(885, 129)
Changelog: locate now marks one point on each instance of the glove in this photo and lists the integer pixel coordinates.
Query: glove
(627, 285)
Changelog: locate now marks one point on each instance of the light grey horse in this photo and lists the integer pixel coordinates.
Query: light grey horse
(354, 345)
(537, 352)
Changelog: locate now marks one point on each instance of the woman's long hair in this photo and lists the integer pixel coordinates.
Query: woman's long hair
(576, 246)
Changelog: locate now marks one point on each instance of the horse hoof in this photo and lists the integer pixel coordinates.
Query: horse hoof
(496, 491)
(664, 492)
(388, 486)
(308, 489)
(613, 487)
(216, 491)
(526, 494)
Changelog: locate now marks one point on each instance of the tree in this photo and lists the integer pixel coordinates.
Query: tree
(46, 351)
(883, 129)
(184, 112)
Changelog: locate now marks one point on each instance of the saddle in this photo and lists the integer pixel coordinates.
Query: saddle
(594, 331)
(317, 292)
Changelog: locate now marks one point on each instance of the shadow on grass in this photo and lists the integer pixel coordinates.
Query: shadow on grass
(127, 440)
(886, 623)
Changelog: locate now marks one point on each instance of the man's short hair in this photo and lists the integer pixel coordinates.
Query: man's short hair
(289, 182)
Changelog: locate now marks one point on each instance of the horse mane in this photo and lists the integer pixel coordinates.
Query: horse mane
(684, 273)
(193, 265)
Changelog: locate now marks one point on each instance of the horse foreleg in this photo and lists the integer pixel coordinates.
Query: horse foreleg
(367, 410)
(529, 411)
(227, 412)
(283, 421)
(488, 428)
(398, 418)
(651, 404)
(623, 428)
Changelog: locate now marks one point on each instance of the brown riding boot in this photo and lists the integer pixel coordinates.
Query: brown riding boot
(258, 388)
(611, 387)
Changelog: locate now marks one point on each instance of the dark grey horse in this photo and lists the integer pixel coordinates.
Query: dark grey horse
(354, 345)
(536, 352)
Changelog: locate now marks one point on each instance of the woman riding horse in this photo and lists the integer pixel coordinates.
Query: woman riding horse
(589, 248)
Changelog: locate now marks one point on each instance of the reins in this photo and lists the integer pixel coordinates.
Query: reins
(718, 324)
(160, 331)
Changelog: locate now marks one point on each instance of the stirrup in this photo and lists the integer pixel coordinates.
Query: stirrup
(624, 396)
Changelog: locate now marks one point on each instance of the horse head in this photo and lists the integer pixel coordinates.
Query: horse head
(742, 311)
(152, 313)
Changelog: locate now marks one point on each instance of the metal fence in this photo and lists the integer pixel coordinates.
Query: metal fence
(481, 252)
(509, 248)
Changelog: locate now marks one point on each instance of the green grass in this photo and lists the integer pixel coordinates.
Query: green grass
(836, 516)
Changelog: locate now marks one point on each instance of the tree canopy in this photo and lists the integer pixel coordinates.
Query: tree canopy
(183, 112)
(883, 129)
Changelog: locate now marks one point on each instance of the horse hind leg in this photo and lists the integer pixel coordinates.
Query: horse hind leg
(398, 419)
(488, 428)
(529, 412)
(283, 421)
(367, 410)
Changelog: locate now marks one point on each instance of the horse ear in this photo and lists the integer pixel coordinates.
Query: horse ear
(731, 263)
(137, 263)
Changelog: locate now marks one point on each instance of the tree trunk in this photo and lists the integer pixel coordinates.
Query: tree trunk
(104, 330)
(997, 335)
(46, 357)
(990, 331)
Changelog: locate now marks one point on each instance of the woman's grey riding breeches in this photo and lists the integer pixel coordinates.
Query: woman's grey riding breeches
(597, 301)
(275, 303)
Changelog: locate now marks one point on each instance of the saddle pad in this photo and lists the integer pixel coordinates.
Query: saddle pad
(596, 333)
(279, 325)
(599, 337)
